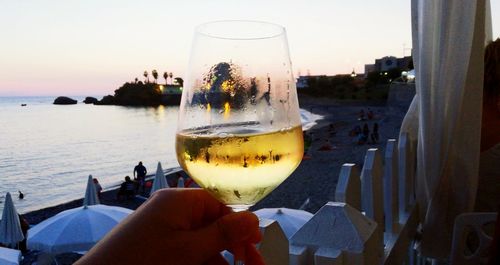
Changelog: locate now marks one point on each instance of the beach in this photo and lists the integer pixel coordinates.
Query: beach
(315, 178)
(314, 181)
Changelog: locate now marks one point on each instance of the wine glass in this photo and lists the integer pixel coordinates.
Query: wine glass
(239, 132)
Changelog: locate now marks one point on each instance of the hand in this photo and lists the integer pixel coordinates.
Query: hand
(179, 226)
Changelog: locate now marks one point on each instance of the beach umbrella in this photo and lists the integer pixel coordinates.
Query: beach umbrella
(228, 256)
(290, 220)
(9, 256)
(10, 227)
(160, 182)
(74, 230)
(180, 182)
(90, 193)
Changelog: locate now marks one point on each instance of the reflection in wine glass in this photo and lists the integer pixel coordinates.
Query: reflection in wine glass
(239, 134)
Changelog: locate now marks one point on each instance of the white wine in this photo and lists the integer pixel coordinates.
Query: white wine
(239, 167)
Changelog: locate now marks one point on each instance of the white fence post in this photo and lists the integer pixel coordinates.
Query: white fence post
(274, 246)
(391, 187)
(404, 170)
(398, 244)
(349, 186)
(371, 186)
(327, 256)
(337, 227)
(298, 255)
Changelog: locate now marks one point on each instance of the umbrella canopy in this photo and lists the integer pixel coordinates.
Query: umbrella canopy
(90, 193)
(290, 220)
(9, 256)
(77, 229)
(10, 227)
(160, 182)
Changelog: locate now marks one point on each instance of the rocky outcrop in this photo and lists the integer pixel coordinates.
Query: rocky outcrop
(106, 100)
(134, 94)
(90, 100)
(64, 101)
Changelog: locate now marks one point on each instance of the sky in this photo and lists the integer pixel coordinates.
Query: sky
(91, 47)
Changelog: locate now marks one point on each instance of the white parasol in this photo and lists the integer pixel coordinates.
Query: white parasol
(180, 182)
(290, 220)
(10, 227)
(160, 182)
(90, 193)
(77, 229)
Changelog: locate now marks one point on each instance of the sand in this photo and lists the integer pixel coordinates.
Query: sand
(315, 179)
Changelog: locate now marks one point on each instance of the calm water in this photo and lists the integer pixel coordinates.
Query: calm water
(47, 151)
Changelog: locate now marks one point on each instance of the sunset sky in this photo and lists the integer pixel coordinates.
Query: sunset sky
(91, 47)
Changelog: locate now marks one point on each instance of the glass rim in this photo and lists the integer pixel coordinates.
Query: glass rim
(276, 30)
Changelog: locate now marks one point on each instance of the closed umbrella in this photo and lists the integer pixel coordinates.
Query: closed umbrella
(90, 193)
(160, 182)
(10, 227)
(180, 182)
(9, 256)
(77, 229)
(290, 220)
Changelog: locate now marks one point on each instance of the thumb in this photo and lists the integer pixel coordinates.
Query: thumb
(226, 232)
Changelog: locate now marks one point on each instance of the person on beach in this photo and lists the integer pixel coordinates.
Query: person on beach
(326, 146)
(141, 176)
(366, 130)
(331, 130)
(370, 114)
(374, 134)
(355, 131)
(25, 226)
(182, 227)
(361, 115)
(127, 189)
(363, 137)
(98, 187)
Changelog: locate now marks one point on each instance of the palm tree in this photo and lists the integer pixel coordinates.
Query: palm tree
(154, 73)
(136, 80)
(170, 75)
(165, 75)
(146, 76)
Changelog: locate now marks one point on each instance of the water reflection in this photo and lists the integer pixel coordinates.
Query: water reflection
(51, 149)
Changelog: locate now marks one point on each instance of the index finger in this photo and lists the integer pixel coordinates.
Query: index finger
(187, 208)
(206, 209)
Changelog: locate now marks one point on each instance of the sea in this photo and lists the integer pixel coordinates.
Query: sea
(48, 151)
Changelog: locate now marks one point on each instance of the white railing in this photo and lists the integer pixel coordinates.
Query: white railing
(373, 221)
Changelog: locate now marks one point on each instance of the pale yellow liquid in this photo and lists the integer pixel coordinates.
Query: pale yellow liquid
(240, 169)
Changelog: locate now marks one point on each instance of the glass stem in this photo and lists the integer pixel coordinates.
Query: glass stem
(236, 209)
